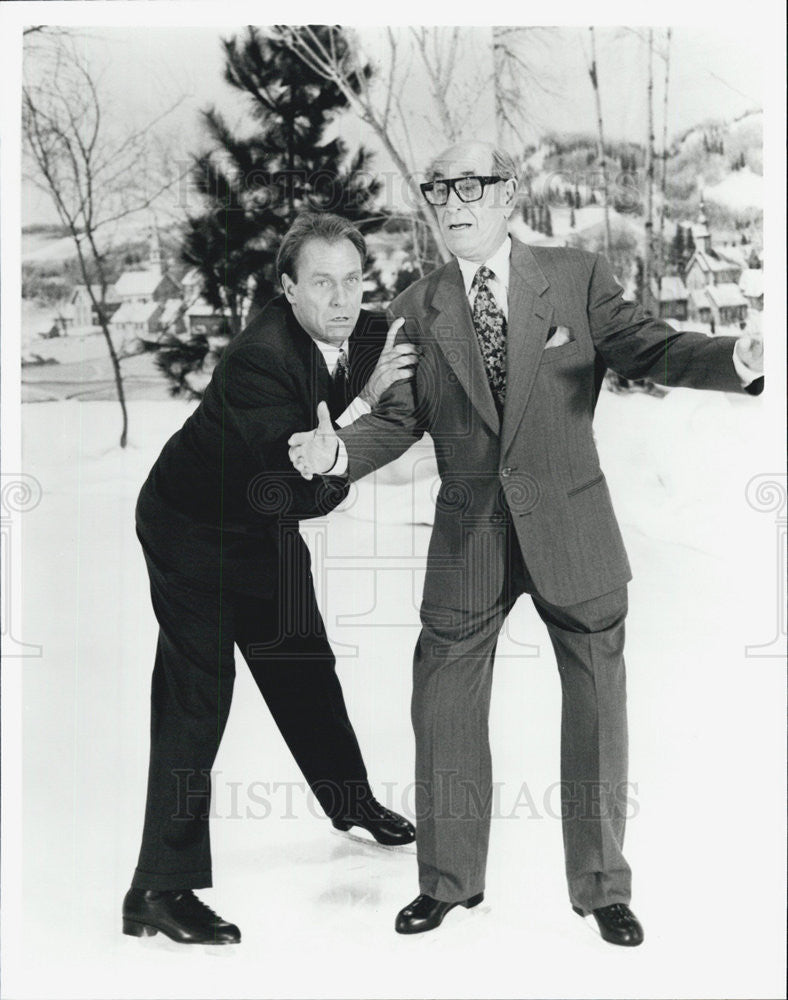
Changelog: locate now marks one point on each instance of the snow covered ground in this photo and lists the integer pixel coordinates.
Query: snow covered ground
(316, 909)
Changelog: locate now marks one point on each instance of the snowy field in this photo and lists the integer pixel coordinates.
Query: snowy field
(316, 909)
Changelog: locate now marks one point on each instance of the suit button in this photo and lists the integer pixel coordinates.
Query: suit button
(506, 472)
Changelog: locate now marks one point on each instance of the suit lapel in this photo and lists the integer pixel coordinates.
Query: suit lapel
(317, 380)
(452, 326)
(529, 321)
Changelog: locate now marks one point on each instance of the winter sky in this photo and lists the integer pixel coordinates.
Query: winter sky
(715, 73)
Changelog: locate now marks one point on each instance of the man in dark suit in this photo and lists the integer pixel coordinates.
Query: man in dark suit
(218, 521)
(515, 341)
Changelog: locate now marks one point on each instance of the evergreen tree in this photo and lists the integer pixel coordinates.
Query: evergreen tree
(253, 184)
(548, 221)
(677, 248)
(639, 277)
(689, 246)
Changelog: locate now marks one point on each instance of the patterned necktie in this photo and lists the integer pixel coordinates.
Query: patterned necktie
(340, 385)
(490, 325)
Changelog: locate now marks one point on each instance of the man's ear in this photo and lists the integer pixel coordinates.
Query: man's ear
(288, 286)
(510, 194)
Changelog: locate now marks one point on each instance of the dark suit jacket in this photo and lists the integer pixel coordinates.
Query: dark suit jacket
(222, 502)
(539, 464)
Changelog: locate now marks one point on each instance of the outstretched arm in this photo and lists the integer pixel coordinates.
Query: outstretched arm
(638, 347)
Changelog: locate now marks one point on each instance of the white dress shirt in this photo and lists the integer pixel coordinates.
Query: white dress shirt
(498, 284)
(358, 407)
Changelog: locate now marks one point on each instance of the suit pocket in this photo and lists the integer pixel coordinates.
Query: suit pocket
(585, 486)
(551, 354)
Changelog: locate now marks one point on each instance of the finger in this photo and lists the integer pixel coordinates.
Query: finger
(392, 333)
(299, 438)
(405, 349)
(324, 425)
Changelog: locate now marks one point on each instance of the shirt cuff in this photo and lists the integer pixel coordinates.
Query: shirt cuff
(745, 373)
(358, 408)
(339, 468)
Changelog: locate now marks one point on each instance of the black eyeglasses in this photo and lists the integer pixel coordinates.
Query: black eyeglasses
(469, 188)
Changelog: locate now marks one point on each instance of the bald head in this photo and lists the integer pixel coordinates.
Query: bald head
(474, 230)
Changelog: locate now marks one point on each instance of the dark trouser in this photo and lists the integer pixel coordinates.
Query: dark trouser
(284, 643)
(453, 667)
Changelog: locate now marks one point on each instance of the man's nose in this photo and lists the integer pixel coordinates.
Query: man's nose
(453, 200)
(339, 295)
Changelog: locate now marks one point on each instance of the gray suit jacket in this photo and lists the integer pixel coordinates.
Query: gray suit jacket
(540, 459)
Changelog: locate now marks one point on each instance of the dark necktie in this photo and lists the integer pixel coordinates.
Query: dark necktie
(340, 385)
(490, 326)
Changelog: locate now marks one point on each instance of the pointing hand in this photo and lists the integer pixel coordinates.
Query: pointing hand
(315, 452)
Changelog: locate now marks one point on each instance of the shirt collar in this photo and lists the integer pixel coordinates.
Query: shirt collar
(498, 264)
(330, 353)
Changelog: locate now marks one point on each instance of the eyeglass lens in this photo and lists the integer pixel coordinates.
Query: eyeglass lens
(467, 188)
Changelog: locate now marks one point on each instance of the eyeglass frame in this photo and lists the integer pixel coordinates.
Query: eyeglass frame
(451, 183)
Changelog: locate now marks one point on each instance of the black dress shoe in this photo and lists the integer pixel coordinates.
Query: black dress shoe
(617, 924)
(426, 913)
(179, 914)
(387, 827)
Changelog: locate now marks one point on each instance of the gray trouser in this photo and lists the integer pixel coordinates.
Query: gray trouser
(452, 678)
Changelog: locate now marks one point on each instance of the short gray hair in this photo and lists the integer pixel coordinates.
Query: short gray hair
(503, 163)
(315, 226)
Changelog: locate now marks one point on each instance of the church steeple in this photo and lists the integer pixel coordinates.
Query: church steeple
(155, 258)
(700, 232)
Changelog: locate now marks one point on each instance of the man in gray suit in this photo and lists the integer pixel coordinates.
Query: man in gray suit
(514, 343)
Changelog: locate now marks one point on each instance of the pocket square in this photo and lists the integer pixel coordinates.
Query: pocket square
(557, 336)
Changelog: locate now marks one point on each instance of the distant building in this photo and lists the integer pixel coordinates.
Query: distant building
(672, 297)
(85, 314)
(172, 320)
(146, 295)
(699, 307)
(751, 285)
(712, 278)
(204, 320)
(149, 285)
(706, 268)
(138, 320)
(728, 305)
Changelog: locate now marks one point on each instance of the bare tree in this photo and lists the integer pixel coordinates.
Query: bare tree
(516, 84)
(94, 175)
(440, 62)
(664, 175)
(379, 108)
(593, 73)
(649, 241)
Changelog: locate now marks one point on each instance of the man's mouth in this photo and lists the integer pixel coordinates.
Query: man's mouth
(459, 225)
(339, 319)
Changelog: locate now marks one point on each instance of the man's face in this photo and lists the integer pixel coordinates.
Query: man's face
(325, 292)
(473, 230)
